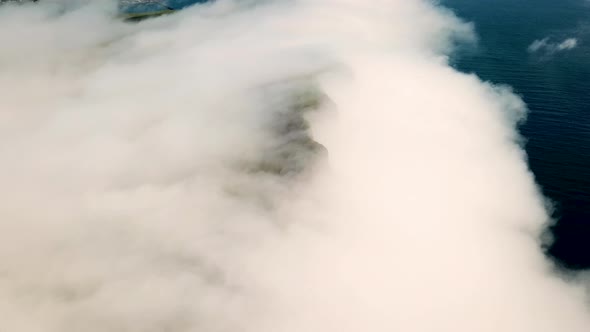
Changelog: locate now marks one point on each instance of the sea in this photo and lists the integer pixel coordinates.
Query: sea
(541, 48)
(143, 6)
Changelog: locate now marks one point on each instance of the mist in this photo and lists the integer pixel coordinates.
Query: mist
(268, 166)
(546, 46)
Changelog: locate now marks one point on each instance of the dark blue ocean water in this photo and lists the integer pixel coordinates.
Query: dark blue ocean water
(556, 87)
(135, 6)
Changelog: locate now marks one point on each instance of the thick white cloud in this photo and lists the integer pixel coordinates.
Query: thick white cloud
(152, 182)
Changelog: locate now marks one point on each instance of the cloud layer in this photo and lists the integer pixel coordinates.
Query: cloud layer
(168, 176)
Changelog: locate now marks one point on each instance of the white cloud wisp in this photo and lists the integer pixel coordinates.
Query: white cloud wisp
(544, 45)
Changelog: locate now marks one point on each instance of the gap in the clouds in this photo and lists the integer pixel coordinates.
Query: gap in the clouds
(555, 88)
(138, 6)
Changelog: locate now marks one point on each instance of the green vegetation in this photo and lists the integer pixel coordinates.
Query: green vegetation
(143, 16)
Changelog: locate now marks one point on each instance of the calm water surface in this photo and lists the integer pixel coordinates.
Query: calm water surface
(556, 87)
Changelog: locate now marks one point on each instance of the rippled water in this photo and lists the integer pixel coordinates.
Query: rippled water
(555, 84)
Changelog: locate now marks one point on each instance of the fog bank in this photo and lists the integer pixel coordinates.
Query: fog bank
(268, 166)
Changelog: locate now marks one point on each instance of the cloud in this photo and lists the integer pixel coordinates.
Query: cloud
(568, 44)
(168, 175)
(544, 45)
